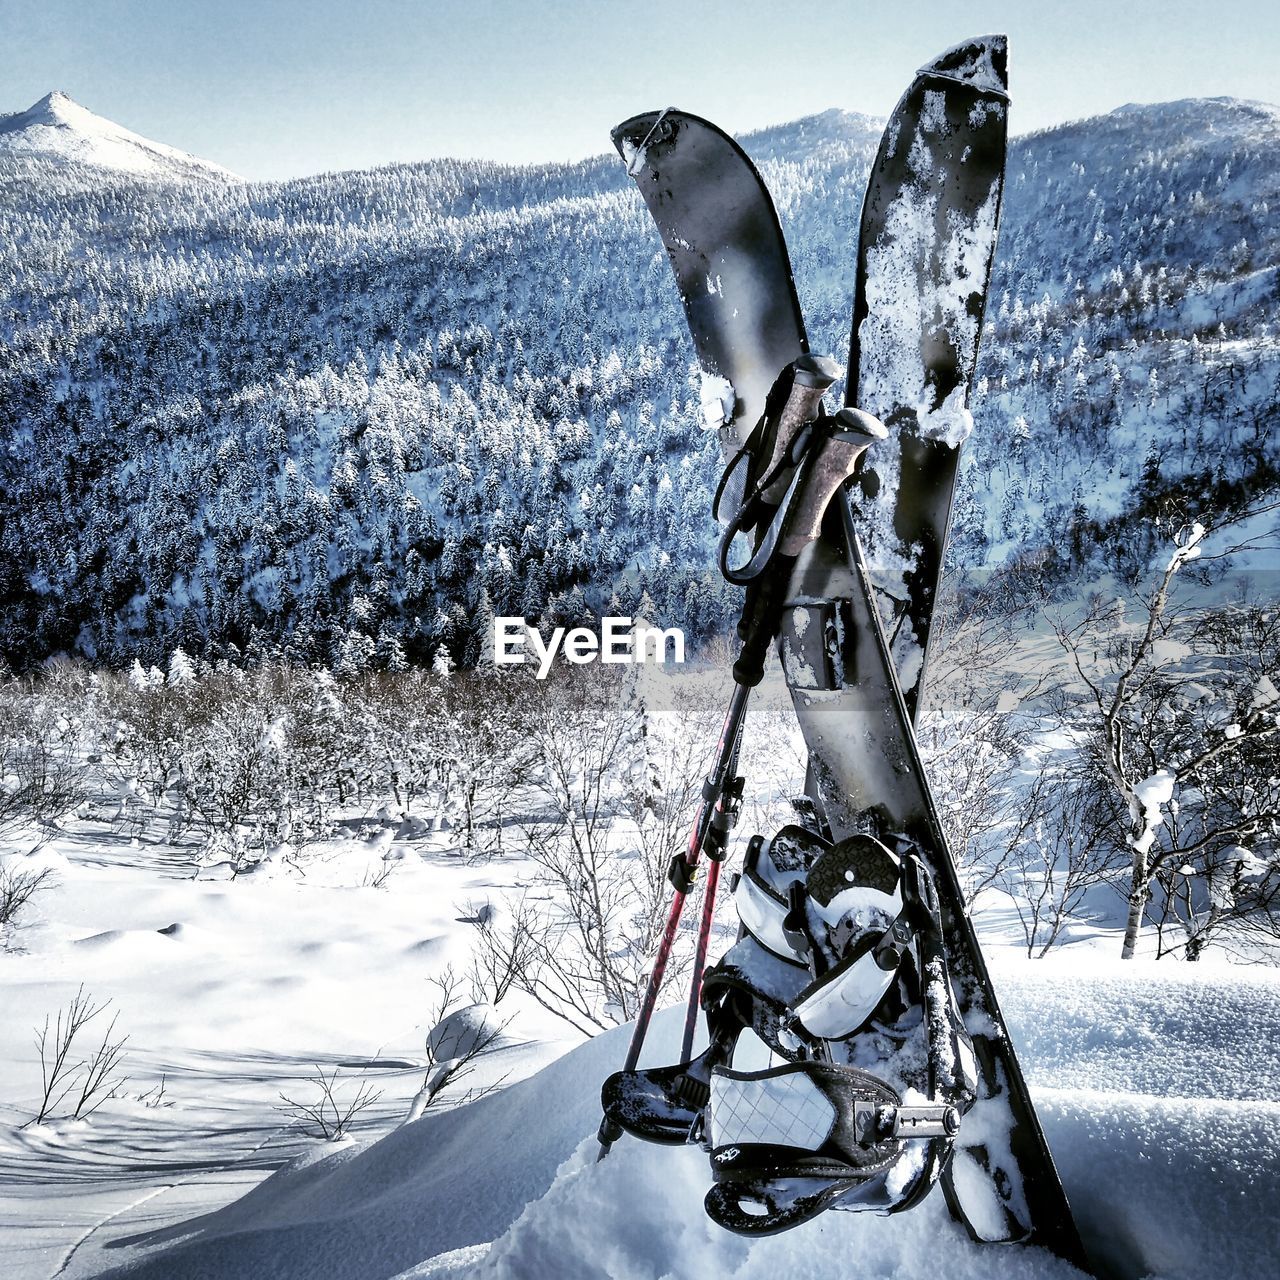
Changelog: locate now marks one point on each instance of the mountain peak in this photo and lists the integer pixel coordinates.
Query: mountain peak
(58, 128)
(56, 103)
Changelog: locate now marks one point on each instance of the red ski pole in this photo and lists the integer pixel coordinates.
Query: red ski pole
(716, 796)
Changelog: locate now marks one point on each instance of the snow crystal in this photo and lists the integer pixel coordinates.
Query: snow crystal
(981, 110)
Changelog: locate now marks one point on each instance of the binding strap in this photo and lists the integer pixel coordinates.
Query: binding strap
(791, 1141)
(755, 451)
(848, 912)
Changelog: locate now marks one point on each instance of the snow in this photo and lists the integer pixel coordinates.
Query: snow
(951, 423)
(1158, 1085)
(1168, 1151)
(905, 299)
(59, 127)
(973, 62)
(464, 1032)
(232, 992)
(1265, 694)
(1187, 547)
(718, 399)
(1149, 796)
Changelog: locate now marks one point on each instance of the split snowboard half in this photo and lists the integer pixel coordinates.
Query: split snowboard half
(856, 962)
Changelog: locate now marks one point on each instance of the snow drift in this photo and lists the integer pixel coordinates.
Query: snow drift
(1159, 1089)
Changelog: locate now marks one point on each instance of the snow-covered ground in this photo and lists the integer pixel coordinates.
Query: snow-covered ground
(1158, 1085)
(231, 992)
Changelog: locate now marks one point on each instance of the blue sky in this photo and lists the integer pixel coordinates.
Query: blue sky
(278, 88)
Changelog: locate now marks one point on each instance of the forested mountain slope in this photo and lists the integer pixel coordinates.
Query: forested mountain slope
(345, 418)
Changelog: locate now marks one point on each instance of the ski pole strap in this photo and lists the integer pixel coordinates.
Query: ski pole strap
(777, 449)
(750, 513)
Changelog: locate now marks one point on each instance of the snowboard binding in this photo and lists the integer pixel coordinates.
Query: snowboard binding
(839, 943)
(789, 1142)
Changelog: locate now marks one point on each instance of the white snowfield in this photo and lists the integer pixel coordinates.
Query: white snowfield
(61, 128)
(1157, 1083)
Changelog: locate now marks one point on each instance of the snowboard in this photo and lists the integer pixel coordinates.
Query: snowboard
(927, 237)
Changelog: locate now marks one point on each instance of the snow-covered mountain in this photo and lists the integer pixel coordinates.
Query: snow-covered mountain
(344, 418)
(58, 129)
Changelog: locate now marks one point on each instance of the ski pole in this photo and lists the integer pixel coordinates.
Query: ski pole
(828, 463)
(716, 846)
(809, 379)
(700, 957)
(681, 873)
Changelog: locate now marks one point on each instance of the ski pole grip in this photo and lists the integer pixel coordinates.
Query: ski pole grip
(853, 432)
(810, 377)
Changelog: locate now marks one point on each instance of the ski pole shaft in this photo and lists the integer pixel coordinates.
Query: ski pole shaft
(723, 817)
(683, 867)
(700, 958)
(726, 755)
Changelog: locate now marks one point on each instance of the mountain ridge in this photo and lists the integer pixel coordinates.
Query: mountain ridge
(58, 111)
(343, 417)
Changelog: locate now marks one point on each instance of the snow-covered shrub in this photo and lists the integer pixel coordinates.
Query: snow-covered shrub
(489, 751)
(18, 885)
(613, 795)
(1182, 717)
(47, 728)
(461, 1035)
